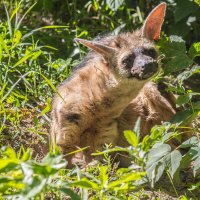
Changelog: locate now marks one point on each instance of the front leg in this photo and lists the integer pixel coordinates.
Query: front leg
(66, 133)
(101, 133)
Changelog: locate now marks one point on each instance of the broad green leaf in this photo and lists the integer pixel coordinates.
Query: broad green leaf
(192, 154)
(114, 184)
(159, 171)
(197, 1)
(195, 151)
(174, 50)
(34, 187)
(84, 183)
(96, 5)
(176, 158)
(121, 171)
(155, 154)
(172, 45)
(190, 142)
(188, 73)
(182, 99)
(103, 175)
(156, 132)
(124, 186)
(154, 172)
(131, 138)
(47, 170)
(179, 62)
(145, 143)
(157, 160)
(10, 185)
(184, 117)
(10, 153)
(71, 193)
(196, 168)
(180, 28)
(36, 54)
(17, 37)
(52, 159)
(47, 107)
(169, 135)
(44, 168)
(8, 164)
(133, 176)
(129, 177)
(184, 8)
(5, 179)
(194, 50)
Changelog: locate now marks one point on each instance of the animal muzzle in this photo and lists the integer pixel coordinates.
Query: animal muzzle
(144, 69)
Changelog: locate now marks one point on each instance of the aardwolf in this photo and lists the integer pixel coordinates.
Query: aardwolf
(108, 90)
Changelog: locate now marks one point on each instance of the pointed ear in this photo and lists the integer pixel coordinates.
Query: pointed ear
(97, 46)
(152, 26)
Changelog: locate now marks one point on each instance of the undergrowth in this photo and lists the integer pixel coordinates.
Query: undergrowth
(29, 73)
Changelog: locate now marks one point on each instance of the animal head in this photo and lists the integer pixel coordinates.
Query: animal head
(133, 55)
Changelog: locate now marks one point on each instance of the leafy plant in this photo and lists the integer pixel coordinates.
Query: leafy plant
(36, 55)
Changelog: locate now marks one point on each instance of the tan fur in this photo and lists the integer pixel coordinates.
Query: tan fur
(104, 118)
(105, 96)
(151, 106)
(99, 97)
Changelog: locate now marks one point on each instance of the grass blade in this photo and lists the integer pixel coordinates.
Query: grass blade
(8, 21)
(10, 90)
(44, 27)
(20, 21)
(52, 86)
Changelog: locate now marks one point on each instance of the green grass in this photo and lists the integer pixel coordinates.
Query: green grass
(34, 60)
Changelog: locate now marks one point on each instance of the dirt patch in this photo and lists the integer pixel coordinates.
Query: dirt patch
(31, 132)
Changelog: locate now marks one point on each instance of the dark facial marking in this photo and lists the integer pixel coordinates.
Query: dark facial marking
(73, 117)
(150, 52)
(128, 60)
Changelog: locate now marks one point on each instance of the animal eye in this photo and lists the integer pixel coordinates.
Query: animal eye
(151, 52)
(128, 61)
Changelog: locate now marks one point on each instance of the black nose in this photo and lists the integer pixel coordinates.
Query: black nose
(144, 67)
(149, 69)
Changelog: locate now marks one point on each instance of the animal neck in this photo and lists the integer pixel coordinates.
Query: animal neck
(110, 92)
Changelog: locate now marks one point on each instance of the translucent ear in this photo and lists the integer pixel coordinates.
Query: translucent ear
(97, 46)
(153, 23)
